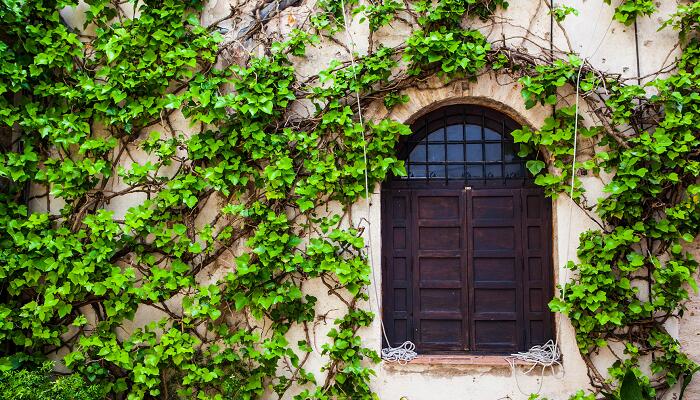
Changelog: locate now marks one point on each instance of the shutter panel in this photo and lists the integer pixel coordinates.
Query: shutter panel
(537, 274)
(467, 270)
(495, 267)
(396, 265)
(439, 273)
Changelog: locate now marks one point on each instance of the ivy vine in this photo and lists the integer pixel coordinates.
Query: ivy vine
(95, 115)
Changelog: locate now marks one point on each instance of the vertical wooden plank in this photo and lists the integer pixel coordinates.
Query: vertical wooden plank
(387, 274)
(415, 276)
(470, 265)
(520, 325)
(466, 302)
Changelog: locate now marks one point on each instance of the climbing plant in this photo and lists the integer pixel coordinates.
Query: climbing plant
(650, 208)
(628, 10)
(159, 171)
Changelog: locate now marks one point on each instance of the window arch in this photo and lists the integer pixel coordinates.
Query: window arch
(466, 239)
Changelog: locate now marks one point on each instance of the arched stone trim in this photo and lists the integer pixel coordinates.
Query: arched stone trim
(490, 90)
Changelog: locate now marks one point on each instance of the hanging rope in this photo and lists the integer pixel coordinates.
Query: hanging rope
(406, 351)
(548, 355)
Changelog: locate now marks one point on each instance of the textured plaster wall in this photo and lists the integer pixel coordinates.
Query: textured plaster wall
(526, 24)
(689, 330)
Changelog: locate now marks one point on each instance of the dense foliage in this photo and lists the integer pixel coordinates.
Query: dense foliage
(652, 206)
(96, 120)
(42, 384)
(138, 215)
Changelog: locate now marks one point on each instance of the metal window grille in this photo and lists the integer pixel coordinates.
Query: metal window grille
(463, 143)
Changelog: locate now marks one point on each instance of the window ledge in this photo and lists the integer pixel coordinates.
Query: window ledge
(487, 361)
(462, 362)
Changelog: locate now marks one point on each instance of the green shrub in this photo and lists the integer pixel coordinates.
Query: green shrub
(44, 384)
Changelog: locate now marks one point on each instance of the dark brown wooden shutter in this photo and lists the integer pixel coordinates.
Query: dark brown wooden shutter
(397, 275)
(495, 263)
(467, 269)
(439, 273)
(537, 272)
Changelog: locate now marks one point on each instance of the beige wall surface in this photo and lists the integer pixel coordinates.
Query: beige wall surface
(609, 46)
(689, 330)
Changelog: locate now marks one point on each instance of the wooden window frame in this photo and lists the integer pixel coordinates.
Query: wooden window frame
(402, 308)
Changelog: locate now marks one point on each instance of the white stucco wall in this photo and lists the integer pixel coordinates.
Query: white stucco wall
(609, 45)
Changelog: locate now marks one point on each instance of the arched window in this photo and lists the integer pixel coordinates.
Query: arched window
(466, 239)
(461, 142)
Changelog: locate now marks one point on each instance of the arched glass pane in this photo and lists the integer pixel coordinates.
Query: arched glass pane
(475, 152)
(509, 152)
(418, 153)
(416, 171)
(455, 171)
(514, 171)
(493, 151)
(473, 132)
(458, 146)
(475, 171)
(455, 152)
(455, 132)
(490, 134)
(437, 136)
(436, 152)
(436, 171)
(493, 171)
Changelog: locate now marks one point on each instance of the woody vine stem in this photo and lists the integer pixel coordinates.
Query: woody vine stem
(96, 119)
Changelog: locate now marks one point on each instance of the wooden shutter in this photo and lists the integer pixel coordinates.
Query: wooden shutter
(397, 275)
(495, 263)
(467, 269)
(537, 271)
(439, 273)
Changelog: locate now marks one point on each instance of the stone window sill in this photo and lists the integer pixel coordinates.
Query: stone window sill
(487, 361)
(463, 363)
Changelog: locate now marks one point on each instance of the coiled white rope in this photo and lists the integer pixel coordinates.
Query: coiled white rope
(406, 351)
(401, 355)
(546, 355)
